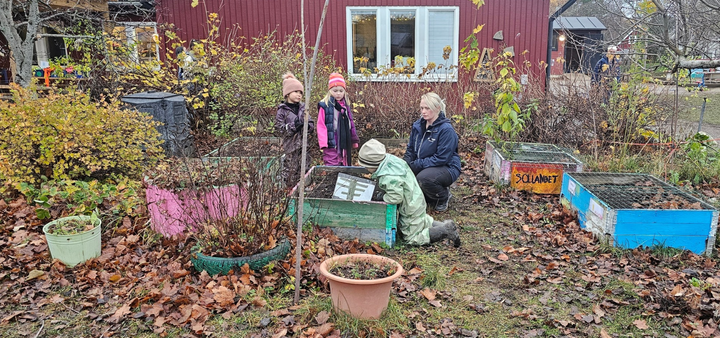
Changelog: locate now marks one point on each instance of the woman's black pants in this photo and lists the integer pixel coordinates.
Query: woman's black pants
(434, 182)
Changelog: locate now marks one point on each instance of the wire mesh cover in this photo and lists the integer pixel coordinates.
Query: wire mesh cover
(637, 191)
(535, 152)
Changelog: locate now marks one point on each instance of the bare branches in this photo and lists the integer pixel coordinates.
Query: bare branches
(679, 30)
(712, 4)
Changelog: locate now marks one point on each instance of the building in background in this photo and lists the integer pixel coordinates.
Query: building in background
(577, 44)
(364, 34)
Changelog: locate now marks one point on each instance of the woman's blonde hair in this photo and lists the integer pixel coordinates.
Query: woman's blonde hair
(434, 102)
(326, 99)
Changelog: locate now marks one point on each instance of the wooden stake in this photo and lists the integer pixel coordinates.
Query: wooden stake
(301, 185)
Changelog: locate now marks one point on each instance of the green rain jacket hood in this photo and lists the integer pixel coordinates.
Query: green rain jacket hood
(395, 177)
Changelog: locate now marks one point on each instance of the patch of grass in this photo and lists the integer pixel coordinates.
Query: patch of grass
(605, 247)
(700, 283)
(542, 323)
(622, 322)
(434, 271)
(240, 325)
(148, 236)
(462, 190)
(619, 288)
(693, 105)
(393, 319)
(664, 252)
(623, 159)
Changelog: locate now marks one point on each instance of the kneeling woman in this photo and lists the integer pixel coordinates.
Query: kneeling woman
(432, 152)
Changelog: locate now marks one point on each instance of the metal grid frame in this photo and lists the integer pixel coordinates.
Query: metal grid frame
(536, 152)
(625, 190)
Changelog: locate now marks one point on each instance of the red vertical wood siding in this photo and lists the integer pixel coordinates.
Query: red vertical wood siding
(523, 22)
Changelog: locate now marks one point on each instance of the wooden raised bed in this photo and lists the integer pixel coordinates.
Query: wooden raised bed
(535, 167)
(265, 151)
(631, 210)
(369, 221)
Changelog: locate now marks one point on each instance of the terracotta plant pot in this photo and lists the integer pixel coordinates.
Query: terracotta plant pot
(365, 299)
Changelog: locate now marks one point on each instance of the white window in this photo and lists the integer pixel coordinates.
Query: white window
(139, 38)
(409, 40)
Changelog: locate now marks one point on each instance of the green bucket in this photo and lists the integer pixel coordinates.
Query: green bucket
(76, 248)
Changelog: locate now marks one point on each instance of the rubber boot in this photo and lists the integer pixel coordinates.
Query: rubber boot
(445, 229)
(437, 233)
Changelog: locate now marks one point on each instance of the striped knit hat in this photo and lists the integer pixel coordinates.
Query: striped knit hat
(336, 79)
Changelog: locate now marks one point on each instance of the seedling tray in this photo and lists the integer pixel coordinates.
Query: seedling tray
(632, 210)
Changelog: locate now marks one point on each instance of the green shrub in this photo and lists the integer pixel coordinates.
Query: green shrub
(117, 196)
(67, 137)
(698, 160)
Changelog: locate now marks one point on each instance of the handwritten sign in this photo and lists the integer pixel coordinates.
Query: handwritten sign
(538, 178)
(571, 187)
(597, 209)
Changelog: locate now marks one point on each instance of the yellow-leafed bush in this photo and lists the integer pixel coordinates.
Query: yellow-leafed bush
(68, 137)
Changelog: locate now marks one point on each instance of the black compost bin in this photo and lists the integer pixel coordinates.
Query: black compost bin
(168, 109)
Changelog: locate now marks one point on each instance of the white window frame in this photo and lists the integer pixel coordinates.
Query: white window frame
(131, 37)
(421, 41)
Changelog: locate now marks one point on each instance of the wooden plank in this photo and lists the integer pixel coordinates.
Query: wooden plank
(712, 77)
(664, 222)
(393, 142)
(345, 214)
(39, 87)
(364, 235)
(93, 5)
(696, 244)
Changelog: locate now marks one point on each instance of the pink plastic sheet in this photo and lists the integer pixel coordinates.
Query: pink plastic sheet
(173, 212)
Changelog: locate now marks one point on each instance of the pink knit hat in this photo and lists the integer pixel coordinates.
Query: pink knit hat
(336, 79)
(291, 84)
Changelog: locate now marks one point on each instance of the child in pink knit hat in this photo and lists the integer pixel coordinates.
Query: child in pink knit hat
(336, 128)
(289, 122)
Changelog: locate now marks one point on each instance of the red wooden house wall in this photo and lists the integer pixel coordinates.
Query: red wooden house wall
(523, 22)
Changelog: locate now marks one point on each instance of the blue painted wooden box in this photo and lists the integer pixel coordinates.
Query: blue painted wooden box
(370, 221)
(632, 210)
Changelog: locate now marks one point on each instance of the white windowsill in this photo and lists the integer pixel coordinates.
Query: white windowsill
(404, 78)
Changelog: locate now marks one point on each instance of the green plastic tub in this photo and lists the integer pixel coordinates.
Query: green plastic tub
(77, 248)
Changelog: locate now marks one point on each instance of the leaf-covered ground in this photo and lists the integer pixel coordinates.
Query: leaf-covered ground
(525, 269)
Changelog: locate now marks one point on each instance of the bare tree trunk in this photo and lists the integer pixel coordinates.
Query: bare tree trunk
(690, 64)
(21, 49)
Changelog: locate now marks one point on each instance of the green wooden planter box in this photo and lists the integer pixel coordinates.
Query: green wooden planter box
(367, 221)
(390, 143)
(271, 163)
